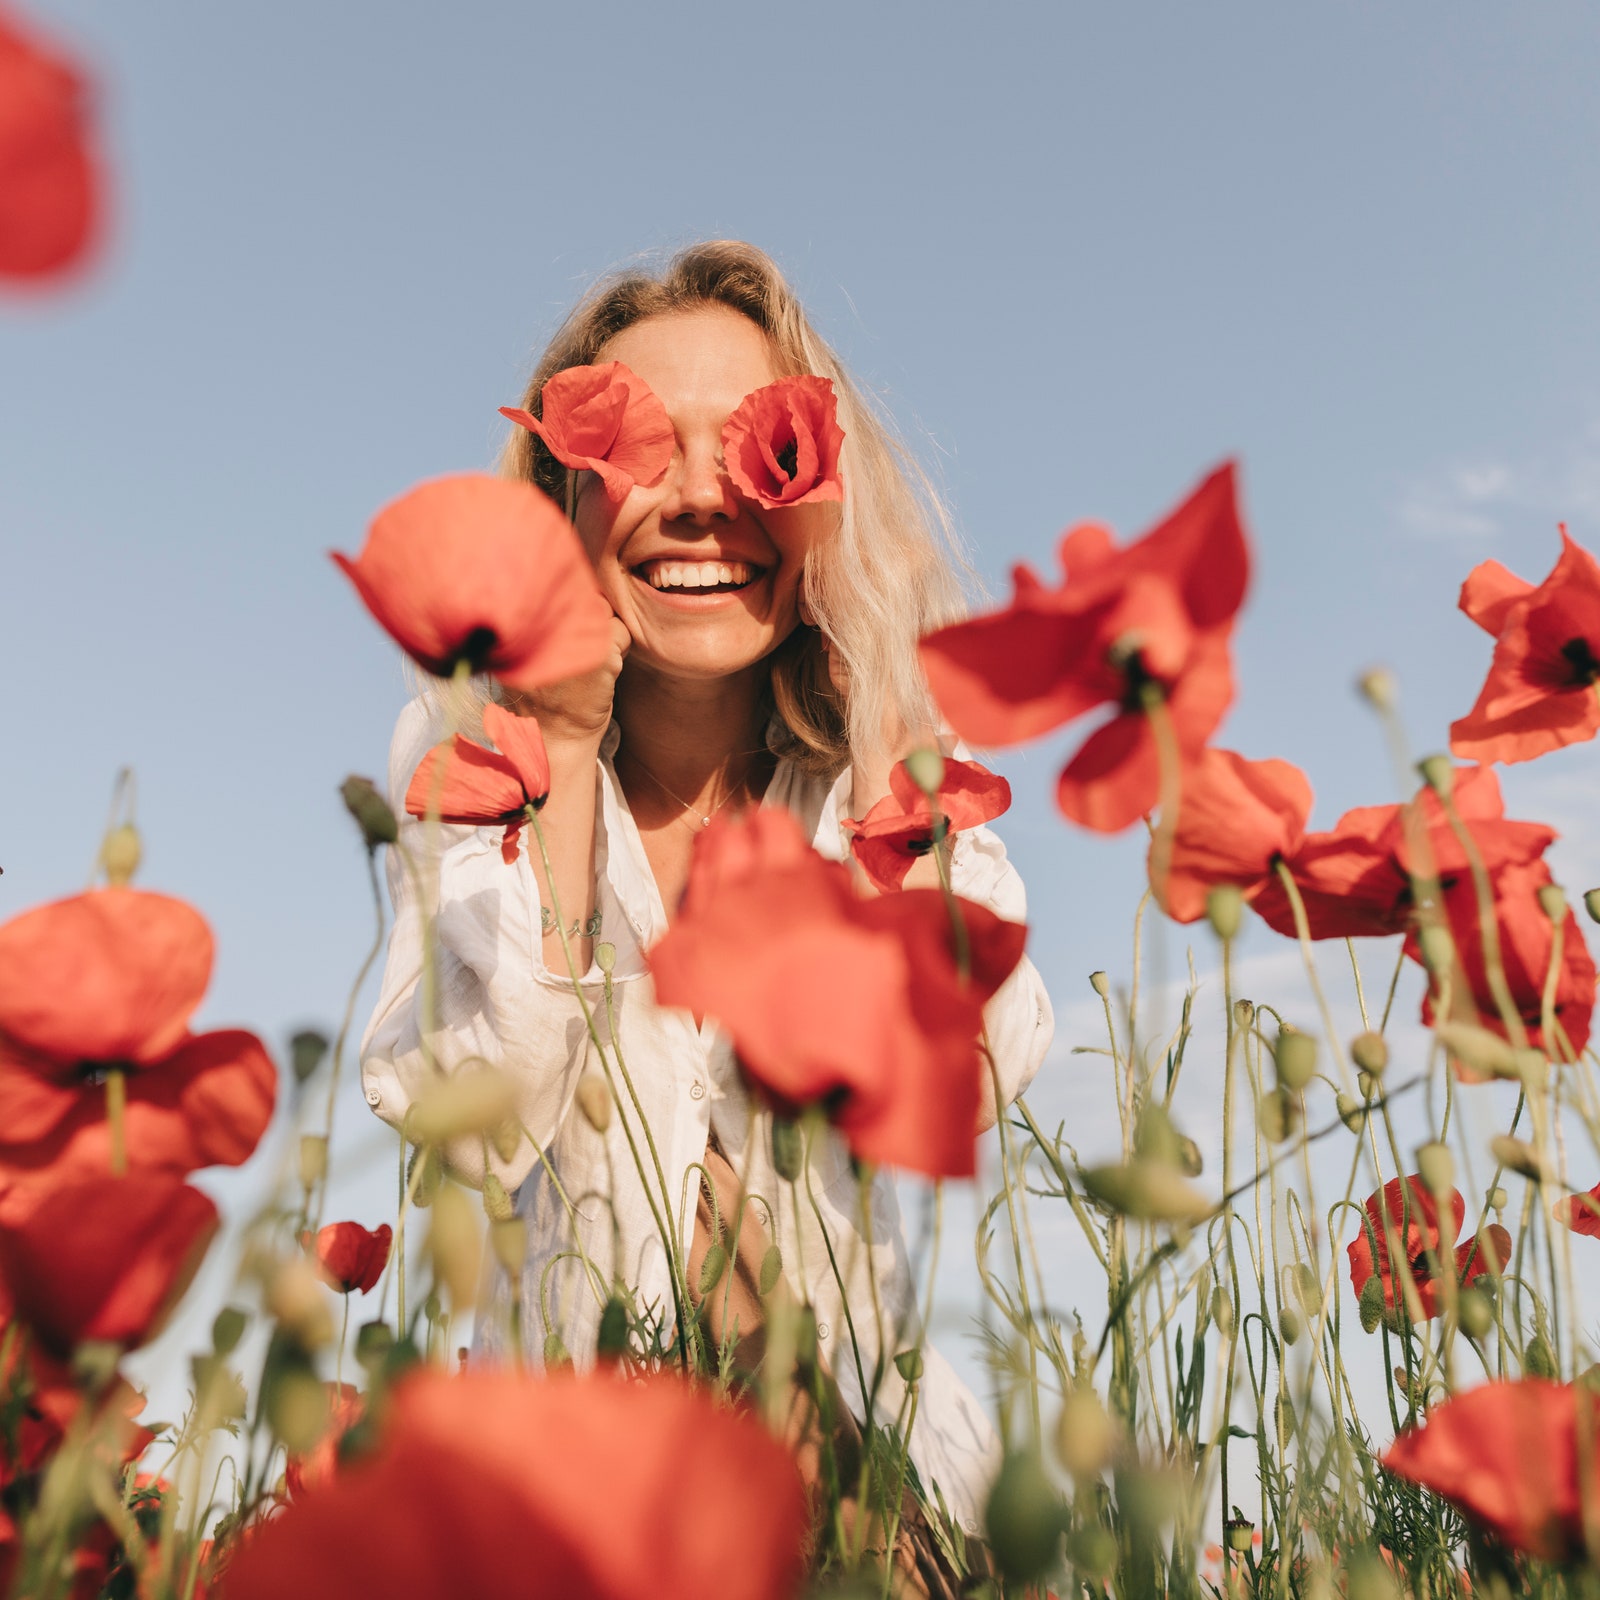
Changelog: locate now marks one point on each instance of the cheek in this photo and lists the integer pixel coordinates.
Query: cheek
(599, 522)
(797, 530)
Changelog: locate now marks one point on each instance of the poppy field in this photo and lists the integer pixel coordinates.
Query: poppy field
(1344, 1360)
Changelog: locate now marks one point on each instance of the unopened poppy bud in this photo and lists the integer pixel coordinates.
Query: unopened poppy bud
(1498, 1198)
(296, 1298)
(509, 1241)
(1437, 947)
(424, 1172)
(371, 811)
(1283, 1415)
(1085, 1433)
(1372, 1305)
(771, 1271)
(455, 1245)
(1377, 685)
(712, 1268)
(1222, 1311)
(1190, 1162)
(1244, 1013)
(1553, 902)
(1302, 1284)
(1370, 1053)
(612, 1339)
(1148, 1190)
(926, 769)
(1437, 1167)
(1475, 1313)
(1517, 1155)
(1351, 1112)
(297, 1410)
(788, 1148)
(1479, 1050)
(227, 1329)
(306, 1052)
(1240, 1535)
(373, 1342)
(1438, 774)
(555, 1352)
(313, 1160)
(1025, 1518)
(1225, 910)
(1538, 1361)
(605, 957)
(909, 1365)
(506, 1137)
(1295, 1056)
(594, 1100)
(464, 1102)
(1288, 1325)
(120, 855)
(1100, 983)
(496, 1202)
(1591, 904)
(1278, 1116)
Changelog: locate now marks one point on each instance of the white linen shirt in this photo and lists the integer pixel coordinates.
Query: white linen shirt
(496, 1001)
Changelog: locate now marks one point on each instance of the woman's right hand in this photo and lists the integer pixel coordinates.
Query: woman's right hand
(577, 710)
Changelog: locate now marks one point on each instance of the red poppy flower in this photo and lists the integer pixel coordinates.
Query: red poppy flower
(109, 979)
(1236, 818)
(1526, 946)
(1420, 1231)
(898, 830)
(606, 419)
(1541, 692)
(482, 785)
(1355, 880)
(628, 1489)
(346, 1407)
(49, 183)
(893, 1053)
(1507, 1454)
(352, 1258)
(101, 1258)
(1151, 620)
(782, 444)
(484, 571)
(1580, 1212)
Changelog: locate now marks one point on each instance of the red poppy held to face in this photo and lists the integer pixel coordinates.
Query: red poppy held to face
(898, 831)
(605, 419)
(1129, 627)
(451, 1501)
(109, 980)
(767, 926)
(1420, 1232)
(782, 444)
(351, 1257)
(1236, 819)
(1541, 692)
(478, 785)
(49, 178)
(487, 573)
(1507, 1454)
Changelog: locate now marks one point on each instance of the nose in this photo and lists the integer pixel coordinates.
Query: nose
(699, 490)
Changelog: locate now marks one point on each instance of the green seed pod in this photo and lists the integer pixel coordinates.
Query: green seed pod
(1475, 1313)
(1100, 983)
(612, 1340)
(496, 1202)
(371, 811)
(307, 1049)
(1222, 1311)
(1240, 1535)
(1284, 1416)
(1225, 911)
(1553, 902)
(1591, 904)
(1379, 689)
(1288, 1326)
(1278, 1116)
(1190, 1162)
(1438, 774)
(506, 1137)
(788, 1149)
(555, 1352)
(120, 855)
(1436, 1167)
(228, 1329)
(1518, 1156)
(1537, 1359)
(771, 1270)
(909, 1365)
(1244, 1013)
(1149, 1191)
(1085, 1433)
(1351, 1113)
(1372, 1304)
(1370, 1053)
(1498, 1198)
(373, 1343)
(926, 770)
(594, 1100)
(1025, 1519)
(605, 957)
(1295, 1056)
(712, 1268)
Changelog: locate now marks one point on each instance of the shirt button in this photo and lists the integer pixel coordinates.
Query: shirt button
(374, 1098)
(697, 1090)
(822, 1330)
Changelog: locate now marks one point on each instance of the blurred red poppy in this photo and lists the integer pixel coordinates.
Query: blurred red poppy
(1507, 1454)
(1580, 1212)
(893, 1054)
(101, 1258)
(782, 444)
(481, 785)
(483, 571)
(1527, 945)
(109, 980)
(49, 177)
(346, 1407)
(1147, 623)
(606, 419)
(1420, 1232)
(454, 1500)
(350, 1257)
(898, 831)
(1541, 692)
(1236, 819)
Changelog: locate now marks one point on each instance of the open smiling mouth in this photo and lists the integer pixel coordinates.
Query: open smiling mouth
(698, 577)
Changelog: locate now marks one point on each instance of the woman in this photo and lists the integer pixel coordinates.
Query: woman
(763, 657)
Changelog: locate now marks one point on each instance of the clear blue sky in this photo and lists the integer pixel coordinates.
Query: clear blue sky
(1080, 252)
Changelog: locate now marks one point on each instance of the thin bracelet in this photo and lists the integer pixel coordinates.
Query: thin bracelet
(547, 923)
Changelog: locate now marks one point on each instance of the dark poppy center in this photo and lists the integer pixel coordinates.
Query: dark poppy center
(1140, 685)
(478, 648)
(923, 844)
(1581, 657)
(788, 458)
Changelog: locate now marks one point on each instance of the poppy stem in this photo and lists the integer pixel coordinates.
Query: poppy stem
(1169, 767)
(116, 1109)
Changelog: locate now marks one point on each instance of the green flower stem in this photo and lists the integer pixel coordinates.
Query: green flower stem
(116, 1113)
(1302, 928)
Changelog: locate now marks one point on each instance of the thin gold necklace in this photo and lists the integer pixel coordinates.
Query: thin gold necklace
(704, 817)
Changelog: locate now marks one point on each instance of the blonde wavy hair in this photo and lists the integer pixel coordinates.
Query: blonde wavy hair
(893, 571)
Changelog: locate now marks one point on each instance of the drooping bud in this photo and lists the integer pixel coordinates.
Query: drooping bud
(373, 1343)
(371, 811)
(1085, 1433)
(1147, 1190)
(555, 1352)
(1278, 1116)
(788, 1148)
(228, 1329)
(1025, 1518)
(455, 1246)
(1100, 983)
(422, 1185)
(1437, 1167)
(594, 1100)
(1303, 1286)
(1288, 1325)
(1553, 902)
(1283, 1414)
(1439, 775)
(909, 1365)
(1485, 1052)
(1438, 949)
(313, 1160)
(611, 1342)
(926, 769)
(120, 855)
(1370, 1052)
(712, 1268)
(1372, 1305)
(1378, 687)
(1295, 1056)
(771, 1271)
(1518, 1156)
(1190, 1162)
(509, 1241)
(307, 1049)
(464, 1102)
(1591, 904)
(605, 957)
(1222, 1311)
(1475, 1313)
(1538, 1360)
(497, 1204)
(1351, 1112)
(1225, 910)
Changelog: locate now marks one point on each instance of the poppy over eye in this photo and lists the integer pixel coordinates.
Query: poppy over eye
(782, 444)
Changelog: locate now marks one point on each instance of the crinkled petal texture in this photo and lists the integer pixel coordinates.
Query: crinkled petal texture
(101, 1259)
(1580, 1212)
(1417, 1231)
(485, 571)
(111, 976)
(352, 1258)
(1235, 819)
(1507, 1455)
(481, 785)
(857, 1005)
(605, 419)
(1540, 693)
(782, 444)
(898, 831)
(49, 177)
(502, 1483)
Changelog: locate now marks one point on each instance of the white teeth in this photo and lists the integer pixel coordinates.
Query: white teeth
(698, 575)
(725, 574)
(708, 575)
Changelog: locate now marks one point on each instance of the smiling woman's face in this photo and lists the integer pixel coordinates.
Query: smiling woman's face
(706, 581)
